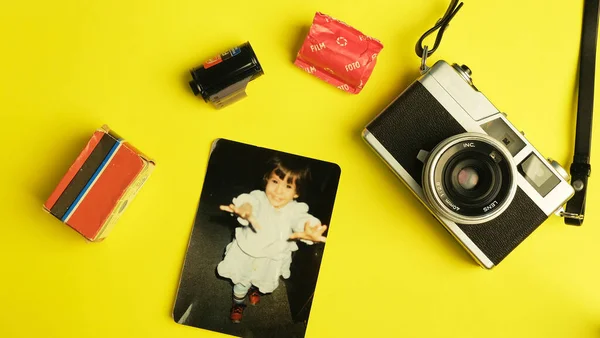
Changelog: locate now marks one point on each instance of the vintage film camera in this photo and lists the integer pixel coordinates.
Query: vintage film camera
(467, 163)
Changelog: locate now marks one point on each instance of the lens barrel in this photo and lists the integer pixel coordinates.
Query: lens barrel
(469, 178)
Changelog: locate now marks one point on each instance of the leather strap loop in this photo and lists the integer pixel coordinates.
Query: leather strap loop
(581, 168)
(441, 24)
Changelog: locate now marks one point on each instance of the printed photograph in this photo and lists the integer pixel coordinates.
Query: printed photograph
(255, 250)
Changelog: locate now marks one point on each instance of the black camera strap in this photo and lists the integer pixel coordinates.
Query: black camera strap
(581, 168)
(440, 26)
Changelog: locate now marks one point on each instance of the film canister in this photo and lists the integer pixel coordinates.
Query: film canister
(222, 80)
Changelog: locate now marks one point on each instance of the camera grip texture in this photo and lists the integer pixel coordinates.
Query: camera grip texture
(414, 121)
(498, 237)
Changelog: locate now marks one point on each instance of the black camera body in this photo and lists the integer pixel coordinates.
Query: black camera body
(467, 163)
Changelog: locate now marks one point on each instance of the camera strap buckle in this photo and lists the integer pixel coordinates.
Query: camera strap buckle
(581, 168)
(574, 217)
(424, 68)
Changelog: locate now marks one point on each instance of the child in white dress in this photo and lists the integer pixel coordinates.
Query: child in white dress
(271, 220)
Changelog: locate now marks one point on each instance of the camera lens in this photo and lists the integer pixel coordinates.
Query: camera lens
(469, 178)
(472, 179)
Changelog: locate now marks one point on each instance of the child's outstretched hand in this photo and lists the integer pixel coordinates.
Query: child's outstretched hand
(244, 211)
(311, 233)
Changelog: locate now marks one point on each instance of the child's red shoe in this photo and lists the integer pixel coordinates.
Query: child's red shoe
(254, 296)
(237, 311)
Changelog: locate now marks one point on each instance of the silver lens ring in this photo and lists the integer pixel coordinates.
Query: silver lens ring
(469, 178)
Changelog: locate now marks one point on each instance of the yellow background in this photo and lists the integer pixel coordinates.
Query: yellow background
(389, 270)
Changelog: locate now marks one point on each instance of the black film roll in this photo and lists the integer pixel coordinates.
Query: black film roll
(222, 80)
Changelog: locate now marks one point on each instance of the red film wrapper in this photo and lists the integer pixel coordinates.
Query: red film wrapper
(338, 54)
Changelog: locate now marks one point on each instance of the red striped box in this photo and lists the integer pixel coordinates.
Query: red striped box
(99, 185)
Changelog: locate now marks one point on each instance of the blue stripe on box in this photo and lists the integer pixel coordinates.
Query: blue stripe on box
(104, 163)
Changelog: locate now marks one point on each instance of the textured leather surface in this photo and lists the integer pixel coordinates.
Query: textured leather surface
(500, 236)
(415, 121)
